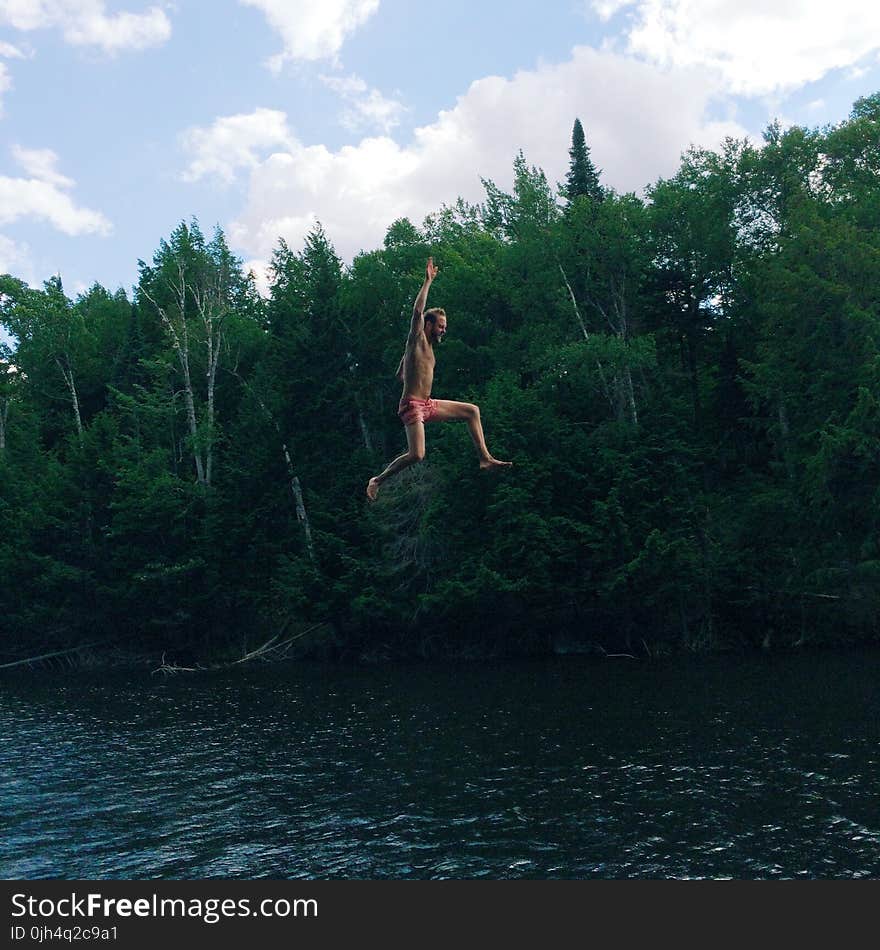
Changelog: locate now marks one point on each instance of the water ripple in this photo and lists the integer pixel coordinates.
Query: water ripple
(433, 772)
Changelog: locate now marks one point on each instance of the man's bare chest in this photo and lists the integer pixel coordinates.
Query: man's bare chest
(422, 357)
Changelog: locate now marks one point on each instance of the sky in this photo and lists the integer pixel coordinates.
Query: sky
(118, 120)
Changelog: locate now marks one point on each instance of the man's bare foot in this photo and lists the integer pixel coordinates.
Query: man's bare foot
(372, 489)
(490, 462)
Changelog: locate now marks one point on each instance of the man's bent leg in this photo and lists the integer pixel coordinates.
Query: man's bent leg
(447, 410)
(415, 440)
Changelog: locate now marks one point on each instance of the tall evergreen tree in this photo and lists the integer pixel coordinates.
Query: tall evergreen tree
(582, 177)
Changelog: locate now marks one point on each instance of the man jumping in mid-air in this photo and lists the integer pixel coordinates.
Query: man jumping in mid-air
(416, 369)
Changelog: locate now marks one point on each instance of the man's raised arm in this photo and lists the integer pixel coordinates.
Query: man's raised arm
(418, 317)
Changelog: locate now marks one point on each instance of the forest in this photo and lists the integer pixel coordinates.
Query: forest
(687, 383)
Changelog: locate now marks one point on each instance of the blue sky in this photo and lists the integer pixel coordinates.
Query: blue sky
(119, 119)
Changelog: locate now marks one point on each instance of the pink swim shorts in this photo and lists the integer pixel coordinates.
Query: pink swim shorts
(417, 410)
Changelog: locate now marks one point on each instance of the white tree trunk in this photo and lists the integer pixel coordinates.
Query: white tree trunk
(365, 432)
(630, 396)
(583, 327)
(67, 373)
(295, 486)
(211, 303)
(301, 513)
(577, 311)
(620, 309)
(189, 400)
(4, 415)
(177, 330)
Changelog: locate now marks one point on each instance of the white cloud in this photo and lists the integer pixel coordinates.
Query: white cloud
(29, 198)
(86, 22)
(15, 258)
(41, 196)
(10, 51)
(637, 118)
(312, 29)
(367, 108)
(40, 163)
(234, 142)
(7, 51)
(260, 269)
(607, 8)
(5, 83)
(757, 47)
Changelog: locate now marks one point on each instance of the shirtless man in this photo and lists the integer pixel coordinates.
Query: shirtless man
(416, 369)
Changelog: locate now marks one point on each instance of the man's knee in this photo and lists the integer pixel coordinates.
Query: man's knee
(472, 410)
(417, 454)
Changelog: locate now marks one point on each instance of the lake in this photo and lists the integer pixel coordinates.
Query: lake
(569, 767)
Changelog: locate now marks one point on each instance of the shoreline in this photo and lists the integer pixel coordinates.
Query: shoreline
(78, 660)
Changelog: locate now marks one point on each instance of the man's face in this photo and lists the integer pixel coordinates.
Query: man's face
(437, 330)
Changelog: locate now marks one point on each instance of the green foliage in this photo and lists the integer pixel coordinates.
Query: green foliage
(688, 385)
(582, 179)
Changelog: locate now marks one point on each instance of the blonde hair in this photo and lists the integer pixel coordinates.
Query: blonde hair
(432, 314)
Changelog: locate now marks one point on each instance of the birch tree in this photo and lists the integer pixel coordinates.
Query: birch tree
(8, 380)
(605, 249)
(194, 287)
(53, 339)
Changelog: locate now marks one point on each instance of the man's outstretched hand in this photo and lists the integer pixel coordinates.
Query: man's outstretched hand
(431, 270)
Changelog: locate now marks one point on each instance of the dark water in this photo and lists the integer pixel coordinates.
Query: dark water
(569, 768)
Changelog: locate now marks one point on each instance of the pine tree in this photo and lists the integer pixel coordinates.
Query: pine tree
(582, 177)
